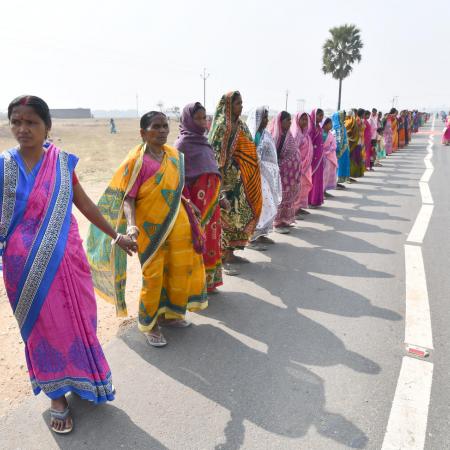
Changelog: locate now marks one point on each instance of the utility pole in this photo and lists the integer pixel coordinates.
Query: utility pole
(300, 104)
(394, 100)
(287, 97)
(204, 76)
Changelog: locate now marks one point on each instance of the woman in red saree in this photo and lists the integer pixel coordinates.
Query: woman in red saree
(202, 181)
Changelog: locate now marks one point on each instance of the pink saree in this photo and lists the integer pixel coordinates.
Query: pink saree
(330, 166)
(48, 279)
(304, 143)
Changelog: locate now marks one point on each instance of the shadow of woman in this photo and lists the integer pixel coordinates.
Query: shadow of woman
(103, 427)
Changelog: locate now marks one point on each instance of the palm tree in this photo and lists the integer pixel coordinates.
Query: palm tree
(340, 51)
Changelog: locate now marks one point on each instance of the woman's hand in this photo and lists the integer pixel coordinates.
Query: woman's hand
(127, 244)
(225, 204)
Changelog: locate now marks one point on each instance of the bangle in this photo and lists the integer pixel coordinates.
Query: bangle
(117, 239)
(132, 228)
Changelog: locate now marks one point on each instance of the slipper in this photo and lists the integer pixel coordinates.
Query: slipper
(230, 270)
(156, 340)
(257, 247)
(303, 212)
(62, 416)
(265, 240)
(282, 230)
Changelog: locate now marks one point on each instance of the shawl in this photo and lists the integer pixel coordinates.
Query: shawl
(192, 141)
(157, 208)
(35, 222)
(238, 147)
(289, 147)
(303, 140)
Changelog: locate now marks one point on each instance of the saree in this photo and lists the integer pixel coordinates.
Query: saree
(330, 161)
(401, 132)
(173, 274)
(367, 143)
(270, 172)
(357, 162)
(203, 185)
(387, 135)
(241, 179)
(289, 163)
(394, 126)
(47, 277)
(316, 197)
(304, 144)
(342, 148)
(446, 135)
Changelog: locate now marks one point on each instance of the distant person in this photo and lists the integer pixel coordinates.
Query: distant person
(203, 181)
(289, 161)
(300, 129)
(342, 148)
(374, 126)
(112, 125)
(241, 178)
(394, 126)
(316, 194)
(368, 148)
(330, 163)
(162, 221)
(46, 274)
(357, 162)
(446, 135)
(257, 122)
(387, 133)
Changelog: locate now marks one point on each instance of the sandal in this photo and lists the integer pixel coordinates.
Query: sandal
(61, 416)
(257, 247)
(229, 270)
(156, 340)
(282, 230)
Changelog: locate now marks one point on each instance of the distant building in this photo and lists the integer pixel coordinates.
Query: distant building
(75, 113)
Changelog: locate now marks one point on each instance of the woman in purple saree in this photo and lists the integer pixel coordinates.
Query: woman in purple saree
(316, 194)
(46, 274)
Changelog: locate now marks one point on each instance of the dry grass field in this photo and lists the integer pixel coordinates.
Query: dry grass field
(100, 153)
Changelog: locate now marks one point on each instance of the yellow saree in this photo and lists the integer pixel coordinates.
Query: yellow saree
(173, 275)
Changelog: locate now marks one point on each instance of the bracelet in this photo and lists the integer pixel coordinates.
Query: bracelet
(117, 239)
(132, 228)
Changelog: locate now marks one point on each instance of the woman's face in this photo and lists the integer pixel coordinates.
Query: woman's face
(200, 118)
(236, 107)
(156, 133)
(303, 122)
(286, 124)
(27, 127)
(319, 117)
(327, 127)
(264, 121)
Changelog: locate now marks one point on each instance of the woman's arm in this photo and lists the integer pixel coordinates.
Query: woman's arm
(129, 210)
(92, 213)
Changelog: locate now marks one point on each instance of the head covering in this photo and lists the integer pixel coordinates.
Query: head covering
(192, 141)
(297, 133)
(222, 127)
(254, 119)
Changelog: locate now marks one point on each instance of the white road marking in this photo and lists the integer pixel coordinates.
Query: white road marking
(417, 317)
(407, 426)
(420, 227)
(409, 414)
(425, 193)
(426, 175)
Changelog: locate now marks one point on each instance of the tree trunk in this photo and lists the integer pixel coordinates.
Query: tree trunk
(340, 92)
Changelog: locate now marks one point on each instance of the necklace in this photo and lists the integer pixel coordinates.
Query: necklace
(156, 156)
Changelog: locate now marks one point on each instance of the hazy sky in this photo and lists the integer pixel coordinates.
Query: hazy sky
(99, 54)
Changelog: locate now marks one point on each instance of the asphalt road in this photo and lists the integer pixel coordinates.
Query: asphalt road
(301, 351)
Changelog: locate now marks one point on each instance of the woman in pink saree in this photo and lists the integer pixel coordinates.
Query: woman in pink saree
(316, 193)
(368, 140)
(387, 134)
(446, 135)
(289, 163)
(330, 162)
(46, 274)
(300, 130)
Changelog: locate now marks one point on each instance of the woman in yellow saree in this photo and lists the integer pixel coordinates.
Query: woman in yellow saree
(394, 125)
(145, 200)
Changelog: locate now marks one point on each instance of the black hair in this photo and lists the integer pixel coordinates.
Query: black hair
(374, 110)
(235, 96)
(284, 115)
(393, 111)
(360, 112)
(148, 118)
(39, 107)
(367, 112)
(197, 107)
(319, 111)
(327, 120)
